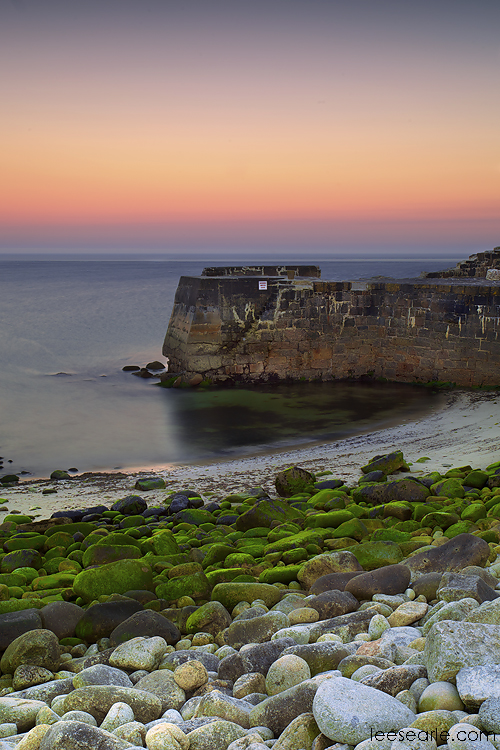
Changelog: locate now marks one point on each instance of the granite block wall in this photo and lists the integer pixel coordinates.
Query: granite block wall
(410, 331)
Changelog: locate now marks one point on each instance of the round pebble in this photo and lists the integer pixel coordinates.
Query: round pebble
(133, 732)
(202, 639)
(286, 672)
(119, 714)
(440, 696)
(82, 716)
(8, 730)
(185, 601)
(332, 637)
(166, 737)
(183, 644)
(378, 625)
(364, 671)
(258, 682)
(303, 615)
(191, 675)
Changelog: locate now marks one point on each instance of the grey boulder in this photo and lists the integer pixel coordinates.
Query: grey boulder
(349, 712)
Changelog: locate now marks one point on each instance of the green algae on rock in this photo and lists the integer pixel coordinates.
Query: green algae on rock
(113, 578)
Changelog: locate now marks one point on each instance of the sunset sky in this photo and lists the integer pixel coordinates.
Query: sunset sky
(333, 125)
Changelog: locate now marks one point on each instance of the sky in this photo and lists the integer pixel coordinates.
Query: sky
(332, 125)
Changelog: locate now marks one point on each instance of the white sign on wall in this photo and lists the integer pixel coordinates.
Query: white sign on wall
(262, 284)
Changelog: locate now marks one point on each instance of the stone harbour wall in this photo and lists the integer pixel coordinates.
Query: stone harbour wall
(229, 327)
(477, 266)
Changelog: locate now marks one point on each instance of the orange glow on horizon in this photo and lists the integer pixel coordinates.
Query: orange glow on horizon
(214, 118)
(67, 180)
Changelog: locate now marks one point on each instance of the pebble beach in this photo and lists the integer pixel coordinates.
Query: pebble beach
(352, 601)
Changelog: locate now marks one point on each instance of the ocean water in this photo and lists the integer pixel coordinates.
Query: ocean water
(69, 326)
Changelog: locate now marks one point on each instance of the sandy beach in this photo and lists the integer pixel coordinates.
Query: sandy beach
(465, 431)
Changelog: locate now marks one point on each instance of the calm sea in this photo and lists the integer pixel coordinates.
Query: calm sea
(69, 326)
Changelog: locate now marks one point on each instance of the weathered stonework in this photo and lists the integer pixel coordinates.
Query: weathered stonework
(415, 330)
(477, 266)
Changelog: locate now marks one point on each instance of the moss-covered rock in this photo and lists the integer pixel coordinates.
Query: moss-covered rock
(59, 539)
(402, 511)
(164, 543)
(280, 574)
(37, 542)
(388, 492)
(390, 535)
(17, 605)
(216, 553)
(239, 560)
(282, 531)
(473, 512)
(440, 518)
(332, 562)
(223, 575)
(59, 474)
(28, 573)
(297, 541)
(14, 579)
(195, 516)
(319, 499)
(264, 512)
(17, 518)
(372, 555)
(23, 558)
(476, 479)
(150, 483)
(100, 554)
(80, 527)
(254, 549)
(331, 520)
(230, 594)
(353, 529)
(113, 578)
(461, 527)
(293, 556)
(448, 488)
(293, 480)
(184, 569)
(211, 617)
(339, 544)
(52, 566)
(388, 464)
(54, 581)
(257, 532)
(195, 585)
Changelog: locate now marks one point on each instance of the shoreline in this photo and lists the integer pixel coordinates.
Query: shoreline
(465, 431)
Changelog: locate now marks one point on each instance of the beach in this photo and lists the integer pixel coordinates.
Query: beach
(466, 431)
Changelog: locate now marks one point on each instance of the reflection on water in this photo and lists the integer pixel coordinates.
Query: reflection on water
(89, 319)
(101, 423)
(226, 422)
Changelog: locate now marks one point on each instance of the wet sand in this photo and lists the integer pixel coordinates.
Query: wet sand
(465, 431)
